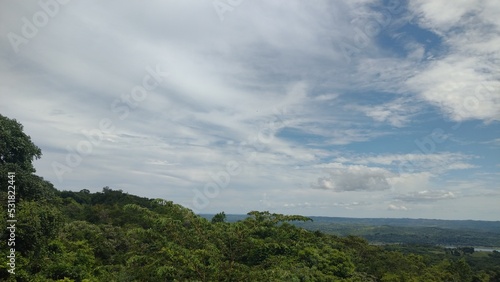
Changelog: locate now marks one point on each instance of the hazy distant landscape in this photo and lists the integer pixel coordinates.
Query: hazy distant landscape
(458, 233)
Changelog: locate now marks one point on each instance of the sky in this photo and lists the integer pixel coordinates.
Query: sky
(338, 108)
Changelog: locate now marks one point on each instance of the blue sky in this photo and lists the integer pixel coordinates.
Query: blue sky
(345, 108)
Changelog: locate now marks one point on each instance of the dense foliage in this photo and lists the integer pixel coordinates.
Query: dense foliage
(114, 236)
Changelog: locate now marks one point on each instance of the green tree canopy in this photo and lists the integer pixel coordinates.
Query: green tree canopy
(15, 146)
(220, 217)
(17, 153)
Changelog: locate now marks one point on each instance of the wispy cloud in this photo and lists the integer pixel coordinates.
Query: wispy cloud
(414, 162)
(427, 196)
(463, 82)
(354, 178)
(494, 142)
(393, 207)
(398, 112)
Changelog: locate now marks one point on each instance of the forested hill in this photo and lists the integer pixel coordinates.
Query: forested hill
(115, 236)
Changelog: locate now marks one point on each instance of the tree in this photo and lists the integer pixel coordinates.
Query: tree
(220, 217)
(15, 146)
(17, 153)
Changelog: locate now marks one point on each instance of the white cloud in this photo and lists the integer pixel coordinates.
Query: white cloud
(464, 82)
(462, 87)
(413, 163)
(326, 97)
(494, 142)
(427, 196)
(397, 207)
(348, 206)
(442, 15)
(397, 113)
(354, 178)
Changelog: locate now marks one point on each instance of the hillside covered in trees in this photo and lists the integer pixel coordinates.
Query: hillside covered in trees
(114, 236)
